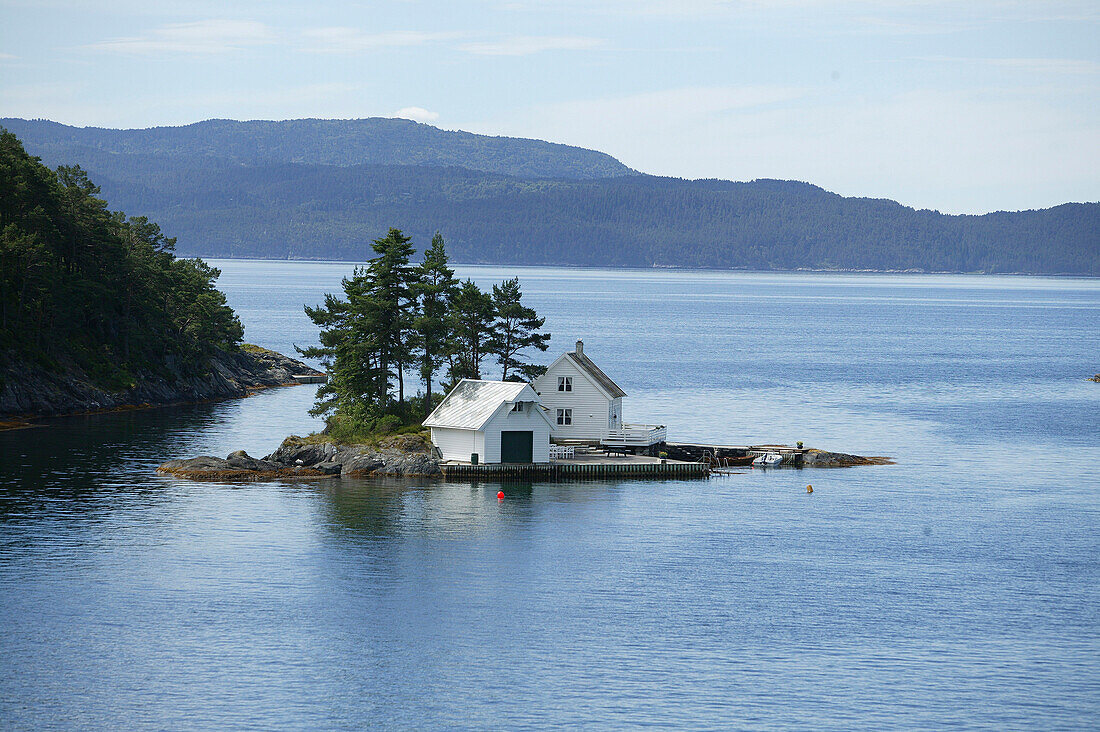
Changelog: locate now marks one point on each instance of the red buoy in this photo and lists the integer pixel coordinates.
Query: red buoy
(500, 495)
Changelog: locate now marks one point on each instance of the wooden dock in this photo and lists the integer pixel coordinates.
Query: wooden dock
(563, 471)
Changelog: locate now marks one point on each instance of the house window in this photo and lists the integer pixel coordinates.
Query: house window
(565, 383)
(517, 407)
(565, 416)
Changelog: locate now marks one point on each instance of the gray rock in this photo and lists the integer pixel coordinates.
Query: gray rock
(359, 464)
(203, 463)
(241, 460)
(413, 464)
(293, 452)
(328, 468)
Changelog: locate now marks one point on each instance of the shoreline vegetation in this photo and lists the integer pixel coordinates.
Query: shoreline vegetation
(96, 311)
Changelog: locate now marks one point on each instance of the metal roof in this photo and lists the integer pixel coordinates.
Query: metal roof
(472, 403)
(603, 380)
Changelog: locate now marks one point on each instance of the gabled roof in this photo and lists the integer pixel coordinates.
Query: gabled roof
(472, 403)
(584, 363)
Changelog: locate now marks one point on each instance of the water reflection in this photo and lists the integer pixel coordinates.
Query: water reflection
(380, 508)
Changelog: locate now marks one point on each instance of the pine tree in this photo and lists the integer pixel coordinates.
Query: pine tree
(390, 306)
(357, 386)
(469, 321)
(436, 288)
(515, 329)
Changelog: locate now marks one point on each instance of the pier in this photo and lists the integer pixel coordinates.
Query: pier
(588, 467)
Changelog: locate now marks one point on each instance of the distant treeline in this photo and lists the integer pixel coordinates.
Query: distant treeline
(219, 206)
(87, 290)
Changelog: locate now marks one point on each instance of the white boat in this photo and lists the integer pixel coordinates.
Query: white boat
(768, 460)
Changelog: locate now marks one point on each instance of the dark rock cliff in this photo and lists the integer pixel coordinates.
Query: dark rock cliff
(27, 390)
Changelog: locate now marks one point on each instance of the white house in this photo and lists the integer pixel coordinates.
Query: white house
(585, 404)
(498, 421)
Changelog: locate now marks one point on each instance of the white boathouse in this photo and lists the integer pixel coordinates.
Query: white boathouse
(586, 405)
(491, 422)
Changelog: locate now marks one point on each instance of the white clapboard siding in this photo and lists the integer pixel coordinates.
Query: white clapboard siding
(591, 407)
(455, 444)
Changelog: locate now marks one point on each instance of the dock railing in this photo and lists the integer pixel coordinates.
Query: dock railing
(635, 435)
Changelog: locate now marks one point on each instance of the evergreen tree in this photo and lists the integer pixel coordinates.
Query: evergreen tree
(84, 286)
(470, 321)
(435, 287)
(365, 339)
(390, 306)
(357, 386)
(515, 329)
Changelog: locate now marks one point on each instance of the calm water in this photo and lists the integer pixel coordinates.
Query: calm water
(959, 588)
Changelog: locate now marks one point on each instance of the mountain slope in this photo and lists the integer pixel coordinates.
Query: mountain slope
(219, 206)
(311, 211)
(378, 141)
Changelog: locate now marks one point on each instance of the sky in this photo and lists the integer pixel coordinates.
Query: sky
(963, 107)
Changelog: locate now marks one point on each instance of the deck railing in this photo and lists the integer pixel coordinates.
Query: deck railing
(635, 435)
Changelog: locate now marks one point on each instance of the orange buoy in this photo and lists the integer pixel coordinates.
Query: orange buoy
(500, 495)
(809, 489)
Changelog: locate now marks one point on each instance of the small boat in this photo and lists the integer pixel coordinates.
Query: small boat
(767, 460)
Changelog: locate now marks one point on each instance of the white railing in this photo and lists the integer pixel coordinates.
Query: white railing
(635, 435)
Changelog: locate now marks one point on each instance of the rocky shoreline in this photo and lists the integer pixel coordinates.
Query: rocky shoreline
(27, 391)
(402, 456)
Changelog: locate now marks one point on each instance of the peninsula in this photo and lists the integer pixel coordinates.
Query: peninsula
(96, 311)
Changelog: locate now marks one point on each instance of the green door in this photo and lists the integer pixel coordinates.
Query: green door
(516, 447)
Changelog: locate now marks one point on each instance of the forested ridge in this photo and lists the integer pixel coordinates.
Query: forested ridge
(377, 141)
(92, 292)
(220, 206)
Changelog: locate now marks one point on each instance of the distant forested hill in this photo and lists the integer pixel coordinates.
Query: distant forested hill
(376, 141)
(219, 205)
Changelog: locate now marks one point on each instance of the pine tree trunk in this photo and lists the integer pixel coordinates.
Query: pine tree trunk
(401, 386)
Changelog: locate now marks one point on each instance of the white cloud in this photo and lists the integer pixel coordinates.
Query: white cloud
(345, 40)
(416, 114)
(201, 37)
(7, 56)
(526, 45)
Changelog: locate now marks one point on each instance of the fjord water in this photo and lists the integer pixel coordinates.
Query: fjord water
(958, 588)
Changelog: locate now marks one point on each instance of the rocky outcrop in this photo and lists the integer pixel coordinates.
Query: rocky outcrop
(810, 458)
(401, 456)
(27, 390)
(823, 459)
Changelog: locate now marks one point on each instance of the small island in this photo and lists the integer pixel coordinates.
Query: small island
(563, 421)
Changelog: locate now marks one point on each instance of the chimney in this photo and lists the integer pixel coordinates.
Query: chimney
(580, 348)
